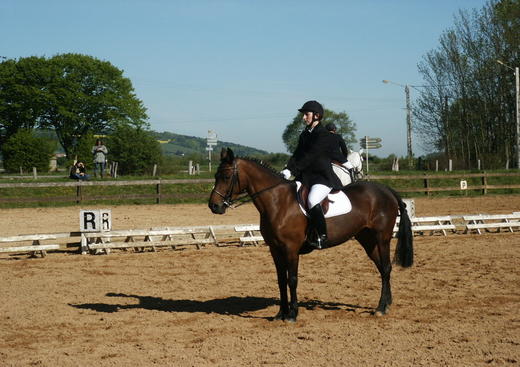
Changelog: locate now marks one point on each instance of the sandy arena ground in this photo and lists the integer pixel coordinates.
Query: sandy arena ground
(457, 306)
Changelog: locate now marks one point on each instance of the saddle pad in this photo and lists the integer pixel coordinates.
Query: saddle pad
(339, 203)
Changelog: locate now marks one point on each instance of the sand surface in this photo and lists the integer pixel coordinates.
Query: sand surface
(457, 306)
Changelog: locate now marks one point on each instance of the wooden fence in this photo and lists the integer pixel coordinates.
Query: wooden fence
(429, 186)
(81, 185)
(225, 235)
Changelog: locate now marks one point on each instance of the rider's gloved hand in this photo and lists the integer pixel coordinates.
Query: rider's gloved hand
(286, 173)
(348, 165)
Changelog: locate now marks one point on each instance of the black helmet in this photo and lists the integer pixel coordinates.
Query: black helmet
(330, 126)
(312, 106)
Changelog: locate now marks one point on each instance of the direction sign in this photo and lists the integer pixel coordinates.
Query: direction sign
(369, 140)
(212, 138)
(371, 146)
(370, 143)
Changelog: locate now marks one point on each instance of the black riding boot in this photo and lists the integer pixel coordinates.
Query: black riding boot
(317, 233)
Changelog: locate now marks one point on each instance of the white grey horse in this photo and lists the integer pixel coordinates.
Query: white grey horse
(344, 175)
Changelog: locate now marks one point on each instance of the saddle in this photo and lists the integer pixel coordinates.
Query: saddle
(303, 194)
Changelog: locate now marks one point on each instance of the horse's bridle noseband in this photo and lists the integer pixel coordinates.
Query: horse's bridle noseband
(235, 180)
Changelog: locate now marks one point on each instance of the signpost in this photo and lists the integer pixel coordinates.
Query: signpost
(211, 141)
(370, 143)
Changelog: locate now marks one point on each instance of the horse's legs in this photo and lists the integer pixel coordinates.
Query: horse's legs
(287, 271)
(281, 272)
(293, 260)
(377, 247)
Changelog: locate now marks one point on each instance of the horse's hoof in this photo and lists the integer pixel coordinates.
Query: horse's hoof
(379, 313)
(291, 320)
(279, 316)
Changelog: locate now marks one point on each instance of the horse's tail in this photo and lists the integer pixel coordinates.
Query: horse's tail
(404, 249)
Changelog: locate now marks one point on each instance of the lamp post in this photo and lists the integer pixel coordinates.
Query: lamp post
(517, 77)
(408, 120)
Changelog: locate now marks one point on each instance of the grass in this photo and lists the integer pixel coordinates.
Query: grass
(199, 192)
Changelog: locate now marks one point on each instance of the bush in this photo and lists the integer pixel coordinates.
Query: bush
(135, 150)
(26, 150)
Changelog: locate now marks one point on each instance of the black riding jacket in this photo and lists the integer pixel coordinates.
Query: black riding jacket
(311, 161)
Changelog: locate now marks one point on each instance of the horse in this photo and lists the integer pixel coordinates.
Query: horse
(346, 177)
(283, 224)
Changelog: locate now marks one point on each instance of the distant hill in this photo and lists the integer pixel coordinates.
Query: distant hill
(176, 144)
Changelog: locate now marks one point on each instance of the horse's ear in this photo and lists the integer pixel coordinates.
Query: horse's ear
(231, 155)
(227, 155)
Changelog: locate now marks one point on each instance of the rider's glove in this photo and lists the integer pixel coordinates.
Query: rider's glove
(348, 165)
(286, 173)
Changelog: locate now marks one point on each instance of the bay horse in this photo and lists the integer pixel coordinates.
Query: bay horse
(283, 225)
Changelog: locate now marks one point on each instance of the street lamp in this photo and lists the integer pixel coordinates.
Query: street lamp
(517, 76)
(408, 120)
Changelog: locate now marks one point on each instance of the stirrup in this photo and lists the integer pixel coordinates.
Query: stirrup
(320, 242)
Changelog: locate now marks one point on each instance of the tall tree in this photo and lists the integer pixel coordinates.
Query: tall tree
(73, 94)
(466, 109)
(345, 127)
(23, 94)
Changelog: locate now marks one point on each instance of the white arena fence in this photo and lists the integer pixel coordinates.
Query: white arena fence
(225, 235)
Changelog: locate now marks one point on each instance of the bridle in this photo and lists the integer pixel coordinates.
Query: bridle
(235, 180)
(227, 199)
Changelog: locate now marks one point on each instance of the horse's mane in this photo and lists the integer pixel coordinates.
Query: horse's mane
(262, 164)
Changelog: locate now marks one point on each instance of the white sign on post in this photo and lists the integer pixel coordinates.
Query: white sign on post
(97, 220)
(211, 141)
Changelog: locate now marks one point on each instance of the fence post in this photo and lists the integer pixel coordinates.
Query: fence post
(426, 186)
(35, 173)
(484, 183)
(154, 171)
(158, 193)
(78, 193)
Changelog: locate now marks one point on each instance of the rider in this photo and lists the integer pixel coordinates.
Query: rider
(340, 142)
(311, 164)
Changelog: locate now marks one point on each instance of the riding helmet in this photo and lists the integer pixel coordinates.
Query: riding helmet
(312, 106)
(330, 126)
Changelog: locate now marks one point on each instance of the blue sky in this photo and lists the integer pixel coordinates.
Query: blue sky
(242, 68)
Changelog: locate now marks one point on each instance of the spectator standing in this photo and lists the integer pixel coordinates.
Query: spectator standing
(99, 152)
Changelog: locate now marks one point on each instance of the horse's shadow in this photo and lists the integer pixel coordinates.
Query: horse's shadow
(236, 306)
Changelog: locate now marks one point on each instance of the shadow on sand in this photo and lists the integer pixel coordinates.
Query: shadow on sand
(237, 306)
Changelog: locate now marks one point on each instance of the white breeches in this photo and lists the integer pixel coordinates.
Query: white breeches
(317, 193)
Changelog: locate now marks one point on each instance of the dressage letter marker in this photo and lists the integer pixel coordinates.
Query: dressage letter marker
(99, 220)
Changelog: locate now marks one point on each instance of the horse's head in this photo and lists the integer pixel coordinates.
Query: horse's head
(356, 159)
(227, 183)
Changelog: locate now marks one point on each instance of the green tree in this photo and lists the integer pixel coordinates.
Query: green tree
(345, 127)
(23, 94)
(467, 108)
(134, 148)
(71, 93)
(24, 149)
